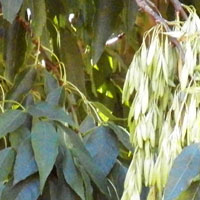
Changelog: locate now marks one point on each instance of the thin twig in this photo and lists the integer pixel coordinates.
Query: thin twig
(179, 8)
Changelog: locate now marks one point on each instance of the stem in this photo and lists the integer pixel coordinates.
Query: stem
(179, 8)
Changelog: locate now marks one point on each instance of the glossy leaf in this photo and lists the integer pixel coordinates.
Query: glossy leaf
(105, 21)
(72, 175)
(10, 9)
(50, 111)
(11, 120)
(2, 186)
(185, 168)
(25, 164)
(103, 148)
(87, 124)
(45, 147)
(23, 83)
(74, 143)
(122, 135)
(7, 157)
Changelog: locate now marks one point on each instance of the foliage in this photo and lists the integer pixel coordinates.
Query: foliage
(62, 122)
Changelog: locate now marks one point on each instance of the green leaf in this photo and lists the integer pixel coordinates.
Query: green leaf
(122, 135)
(105, 111)
(10, 9)
(15, 47)
(7, 157)
(131, 10)
(56, 97)
(59, 190)
(117, 176)
(26, 190)
(193, 192)
(105, 21)
(45, 147)
(50, 83)
(102, 146)
(30, 191)
(185, 168)
(87, 124)
(25, 164)
(87, 184)
(11, 120)
(52, 112)
(2, 186)
(18, 136)
(23, 83)
(72, 58)
(74, 143)
(72, 176)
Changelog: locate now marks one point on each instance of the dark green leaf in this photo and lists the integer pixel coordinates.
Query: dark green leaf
(50, 83)
(25, 164)
(193, 192)
(53, 112)
(105, 21)
(103, 148)
(27, 190)
(7, 157)
(122, 135)
(56, 97)
(117, 176)
(87, 184)
(59, 190)
(131, 10)
(72, 176)
(72, 58)
(11, 120)
(186, 167)
(10, 9)
(87, 124)
(30, 191)
(45, 147)
(24, 82)
(18, 136)
(78, 149)
(15, 46)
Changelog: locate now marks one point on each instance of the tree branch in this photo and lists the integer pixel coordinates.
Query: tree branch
(158, 19)
(179, 8)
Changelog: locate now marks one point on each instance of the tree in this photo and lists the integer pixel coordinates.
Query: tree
(63, 127)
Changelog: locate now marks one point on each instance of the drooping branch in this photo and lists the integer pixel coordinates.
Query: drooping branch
(179, 8)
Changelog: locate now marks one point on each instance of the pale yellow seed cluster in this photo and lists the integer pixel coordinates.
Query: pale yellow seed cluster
(164, 90)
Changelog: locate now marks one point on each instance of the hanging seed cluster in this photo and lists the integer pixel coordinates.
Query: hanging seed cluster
(163, 89)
